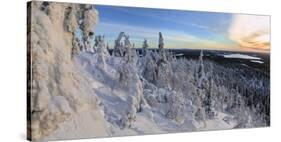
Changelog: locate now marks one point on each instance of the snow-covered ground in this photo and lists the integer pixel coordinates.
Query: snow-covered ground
(136, 100)
(121, 113)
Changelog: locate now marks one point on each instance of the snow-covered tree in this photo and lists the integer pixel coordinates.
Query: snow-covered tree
(161, 41)
(144, 47)
(102, 53)
(119, 47)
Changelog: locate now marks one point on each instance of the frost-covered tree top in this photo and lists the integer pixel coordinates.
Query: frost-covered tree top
(161, 41)
(127, 41)
(144, 47)
(145, 44)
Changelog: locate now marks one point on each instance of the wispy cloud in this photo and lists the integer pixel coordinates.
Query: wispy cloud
(172, 19)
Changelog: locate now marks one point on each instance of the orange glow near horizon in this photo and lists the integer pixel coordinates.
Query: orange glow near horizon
(251, 32)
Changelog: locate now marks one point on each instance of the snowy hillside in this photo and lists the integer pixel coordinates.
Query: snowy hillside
(156, 93)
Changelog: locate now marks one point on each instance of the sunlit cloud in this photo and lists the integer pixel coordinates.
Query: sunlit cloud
(251, 32)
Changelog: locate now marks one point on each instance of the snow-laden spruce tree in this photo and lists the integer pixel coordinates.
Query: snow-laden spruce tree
(102, 53)
(98, 39)
(161, 41)
(129, 79)
(149, 65)
(144, 47)
(201, 72)
(119, 47)
(61, 94)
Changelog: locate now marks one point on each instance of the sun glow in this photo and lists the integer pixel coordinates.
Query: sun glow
(251, 32)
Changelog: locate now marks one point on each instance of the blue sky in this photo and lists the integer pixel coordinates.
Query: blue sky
(181, 29)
